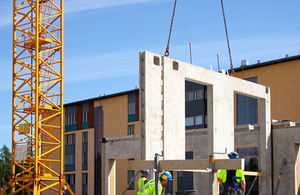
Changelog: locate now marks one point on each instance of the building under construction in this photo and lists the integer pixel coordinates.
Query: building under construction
(107, 127)
(179, 111)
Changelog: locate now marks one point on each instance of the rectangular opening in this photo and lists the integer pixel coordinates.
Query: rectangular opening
(175, 65)
(156, 60)
(195, 106)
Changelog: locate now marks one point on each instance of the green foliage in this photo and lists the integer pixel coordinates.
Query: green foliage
(5, 165)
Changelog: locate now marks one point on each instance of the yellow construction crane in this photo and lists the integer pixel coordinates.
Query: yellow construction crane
(37, 118)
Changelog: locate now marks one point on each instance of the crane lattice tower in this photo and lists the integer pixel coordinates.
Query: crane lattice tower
(37, 119)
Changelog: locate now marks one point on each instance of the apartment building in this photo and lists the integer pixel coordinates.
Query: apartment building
(85, 122)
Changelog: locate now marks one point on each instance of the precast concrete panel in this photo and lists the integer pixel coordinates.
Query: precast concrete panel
(162, 110)
(151, 106)
(173, 109)
(162, 102)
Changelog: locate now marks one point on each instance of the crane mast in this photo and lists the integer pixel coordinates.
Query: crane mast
(37, 110)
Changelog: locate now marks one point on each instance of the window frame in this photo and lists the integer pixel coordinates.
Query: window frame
(85, 117)
(84, 137)
(131, 108)
(199, 91)
(192, 120)
(202, 120)
(130, 129)
(189, 96)
(70, 139)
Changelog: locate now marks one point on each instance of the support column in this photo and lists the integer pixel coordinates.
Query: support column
(265, 186)
(220, 121)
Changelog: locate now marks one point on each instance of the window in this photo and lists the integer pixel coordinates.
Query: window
(199, 120)
(247, 108)
(84, 150)
(70, 119)
(70, 159)
(84, 158)
(84, 178)
(70, 179)
(131, 108)
(130, 176)
(70, 139)
(194, 95)
(196, 120)
(85, 117)
(189, 121)
(189, 96)
(84, 183)
(67, 120)
(185, 178)
(251, 164)
(85, 137)
(130, 129)
(199, 94)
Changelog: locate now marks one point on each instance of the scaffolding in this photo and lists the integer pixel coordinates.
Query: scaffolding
(37, 118)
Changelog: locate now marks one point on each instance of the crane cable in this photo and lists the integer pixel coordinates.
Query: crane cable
(232, 72)
(167, 53)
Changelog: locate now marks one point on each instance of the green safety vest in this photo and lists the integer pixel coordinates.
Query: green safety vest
(141, 182)
(149, 188)
(223, 175)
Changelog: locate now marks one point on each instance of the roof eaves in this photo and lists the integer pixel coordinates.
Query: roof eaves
(272, 62)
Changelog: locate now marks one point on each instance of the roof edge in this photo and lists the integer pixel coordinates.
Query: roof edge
(103, 97)
(272, 62)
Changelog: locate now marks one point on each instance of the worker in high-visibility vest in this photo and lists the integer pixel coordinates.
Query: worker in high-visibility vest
(225, 179)
(143, 180)
(149, 187)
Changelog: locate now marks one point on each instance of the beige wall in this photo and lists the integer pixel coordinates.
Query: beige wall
(283, 80)
(122, 175)
(78, 160)
(115, 108)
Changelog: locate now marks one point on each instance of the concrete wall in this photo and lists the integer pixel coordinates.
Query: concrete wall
(117, 148)
(286, 139)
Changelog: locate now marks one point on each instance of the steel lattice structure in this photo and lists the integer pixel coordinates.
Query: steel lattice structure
(37, 123)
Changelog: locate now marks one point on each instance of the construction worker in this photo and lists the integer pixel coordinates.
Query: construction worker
(149, 187)
(143, 180)
(225, 179)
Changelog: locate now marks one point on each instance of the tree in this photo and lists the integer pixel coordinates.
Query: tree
(5, 165)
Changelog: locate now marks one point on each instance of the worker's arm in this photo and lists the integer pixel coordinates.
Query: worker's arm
(243, 184)
(220, 181)
(220, 176)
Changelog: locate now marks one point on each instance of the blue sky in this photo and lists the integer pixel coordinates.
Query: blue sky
(103, 39)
